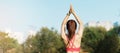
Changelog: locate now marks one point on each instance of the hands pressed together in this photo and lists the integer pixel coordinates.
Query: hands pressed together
(71, 10)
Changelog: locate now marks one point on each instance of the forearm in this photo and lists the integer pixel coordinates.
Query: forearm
(77, 18)
(65, 20)
(63, 26)
(80, 28)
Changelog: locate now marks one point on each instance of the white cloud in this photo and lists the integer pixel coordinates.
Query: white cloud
(106, 24)
(31, 32)
(19, 36)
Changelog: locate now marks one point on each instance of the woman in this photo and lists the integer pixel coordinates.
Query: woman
(72, 40)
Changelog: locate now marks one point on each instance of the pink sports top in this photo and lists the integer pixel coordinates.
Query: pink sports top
(71, 47)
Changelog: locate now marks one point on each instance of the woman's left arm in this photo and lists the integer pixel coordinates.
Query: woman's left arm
(63, 26)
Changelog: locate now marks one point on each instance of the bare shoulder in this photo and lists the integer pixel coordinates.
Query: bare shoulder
(78, 39)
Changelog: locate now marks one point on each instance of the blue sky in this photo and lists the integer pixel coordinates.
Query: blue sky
(25, 15)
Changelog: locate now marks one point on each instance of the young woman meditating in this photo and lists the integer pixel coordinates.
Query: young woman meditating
(72, 39)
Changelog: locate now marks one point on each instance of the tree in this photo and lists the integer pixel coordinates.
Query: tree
(7, 43)
(95, 40)
(45, 41)
(108, 45)
(91, 38)
(98, 40)
(111, 43)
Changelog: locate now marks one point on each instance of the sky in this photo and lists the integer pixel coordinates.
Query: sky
(22, 16)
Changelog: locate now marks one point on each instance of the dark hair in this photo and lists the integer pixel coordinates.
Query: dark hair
(71, 28)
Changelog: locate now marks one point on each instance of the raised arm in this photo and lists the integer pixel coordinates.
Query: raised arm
(80, 28)
(63, 26)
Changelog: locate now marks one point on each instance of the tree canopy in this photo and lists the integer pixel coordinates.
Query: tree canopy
(7, 43)
(94, 40)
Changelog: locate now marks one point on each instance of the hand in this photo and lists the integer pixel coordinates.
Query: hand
(71, 9)
(69, 12)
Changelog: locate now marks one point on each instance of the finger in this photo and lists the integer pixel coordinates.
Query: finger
(70, 6)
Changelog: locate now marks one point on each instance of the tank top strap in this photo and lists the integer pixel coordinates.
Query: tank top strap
(71, 42)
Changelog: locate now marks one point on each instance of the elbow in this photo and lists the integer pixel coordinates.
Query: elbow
(62, 36)
(81, 23)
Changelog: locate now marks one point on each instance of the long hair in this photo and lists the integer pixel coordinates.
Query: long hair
(71, 28)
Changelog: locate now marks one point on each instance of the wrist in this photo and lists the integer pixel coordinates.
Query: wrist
(68, 13)
(73, 12)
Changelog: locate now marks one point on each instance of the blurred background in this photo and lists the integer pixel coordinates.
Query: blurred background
(33, 26)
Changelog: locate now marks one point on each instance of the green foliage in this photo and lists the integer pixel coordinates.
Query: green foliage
(94, 40)
(98, 40)
(108, 45)
(114, 31)
(111, 42)
(91, 38)
(45, 41)
(7, 43)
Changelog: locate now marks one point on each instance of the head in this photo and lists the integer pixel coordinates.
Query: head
(71, 28)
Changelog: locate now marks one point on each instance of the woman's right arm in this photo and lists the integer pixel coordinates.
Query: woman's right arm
(80, 28)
